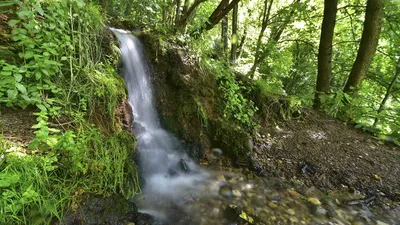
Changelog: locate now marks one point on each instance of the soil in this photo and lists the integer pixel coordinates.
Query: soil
(328, 154)
(16, 125)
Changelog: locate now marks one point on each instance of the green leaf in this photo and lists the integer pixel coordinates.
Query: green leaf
(12, 23)
(41, 107)
(7, 3)
(6, 180)
(28, 55)
(12, 94)
(39, 9)
(18, 77)
(6, 73)
(21, 88)
(24, 13)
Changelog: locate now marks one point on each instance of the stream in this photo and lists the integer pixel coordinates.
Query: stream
(179, 191)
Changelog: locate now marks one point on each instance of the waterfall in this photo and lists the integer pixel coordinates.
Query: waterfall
(170, 174)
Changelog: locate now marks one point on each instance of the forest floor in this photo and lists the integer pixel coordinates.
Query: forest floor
(326, 153)
(316, 149)
(16, 125)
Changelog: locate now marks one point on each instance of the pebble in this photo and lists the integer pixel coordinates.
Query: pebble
(272, 205)
(236, 193)
(215, 212)
(314, 201)
(290, 211)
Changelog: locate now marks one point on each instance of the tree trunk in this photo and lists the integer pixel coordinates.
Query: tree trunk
(183, 21)
(241, 43)
(325, 51)
(185, 6)
(234, 38)
(368, 44)
(224, 32)
(387, 95)
(222, 10)
(178, 11)
(265, 18)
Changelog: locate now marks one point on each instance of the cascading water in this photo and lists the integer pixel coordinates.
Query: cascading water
(170, 175)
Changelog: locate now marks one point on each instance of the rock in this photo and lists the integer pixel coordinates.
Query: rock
(173, 173)
(237, 216)
(183, 165)
(258, 201)
(314, 201)
(272, 205)
(221, 178)
(226, 191)
(378, 222)
(236, 193)
(320, 211)
(276, 198)
(216, 152)
(215, 212)
(290, 211)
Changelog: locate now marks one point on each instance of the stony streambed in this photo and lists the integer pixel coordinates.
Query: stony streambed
(229, 197)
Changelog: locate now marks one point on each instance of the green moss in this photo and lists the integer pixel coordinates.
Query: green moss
(232, 139)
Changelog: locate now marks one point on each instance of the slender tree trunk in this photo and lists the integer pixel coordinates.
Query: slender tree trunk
(241, 43)
(325, 51)
(184, 19)
(387, 95)
(265, 19)
(368, 44)
(178, 11)
(234, 38)
(224, 31)
(185, 6)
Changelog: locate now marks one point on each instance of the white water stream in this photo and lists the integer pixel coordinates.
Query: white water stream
(170, 174)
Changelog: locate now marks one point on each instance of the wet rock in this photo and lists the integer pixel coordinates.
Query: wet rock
(320, 211)
(308, 168)
(236, 193)
(258, 201)
(140, 218)
(290, 212)
(184, 166)
(314, 201)
(237, 216)
(226, 191)
(173, 173)
(276, 198)
(216, 152)
(272, 205)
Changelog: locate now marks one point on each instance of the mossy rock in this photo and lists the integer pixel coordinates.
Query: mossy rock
(231, 138)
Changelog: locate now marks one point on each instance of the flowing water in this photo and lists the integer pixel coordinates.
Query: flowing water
(177, 191)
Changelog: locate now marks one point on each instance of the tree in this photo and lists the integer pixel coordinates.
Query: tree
(281, 20)
(187, 13)
(388, 93)
(368, 44)
(265, 18)
(222, 10)
(224, 30)
(234, 38)
(325, 50)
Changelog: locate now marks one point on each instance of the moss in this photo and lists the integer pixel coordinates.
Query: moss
(232, 139)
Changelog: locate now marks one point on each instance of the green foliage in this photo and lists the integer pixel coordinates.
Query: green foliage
(63, 71)
(236, 106)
